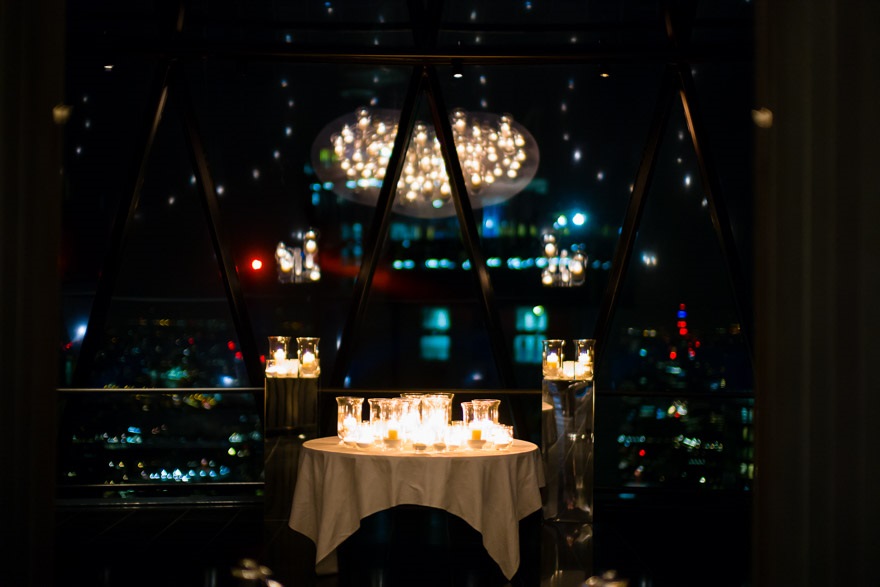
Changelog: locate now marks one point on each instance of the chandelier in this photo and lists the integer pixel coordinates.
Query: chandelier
(498, 158)
(562, 269)
(299, 264)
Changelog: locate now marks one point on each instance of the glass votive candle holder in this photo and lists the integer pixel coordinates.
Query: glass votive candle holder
(552, 357)
(584, 358)
(364, 435)
(348, 417)
(502, 436)
(455, 435)
(276, 361)
(309, 359)
(467, 412)
(486, 409)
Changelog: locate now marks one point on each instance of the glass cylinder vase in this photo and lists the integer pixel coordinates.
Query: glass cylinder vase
(309, 359)
(348, 416)
(552, 357)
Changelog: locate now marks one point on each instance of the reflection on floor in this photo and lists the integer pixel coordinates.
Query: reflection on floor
(679, 542)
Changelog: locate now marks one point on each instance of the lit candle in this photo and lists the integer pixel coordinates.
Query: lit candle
(308, 359)
(585, 365)
(476, 434)
(279, 355)
(349, 426)
(392, 431)
(552, 361)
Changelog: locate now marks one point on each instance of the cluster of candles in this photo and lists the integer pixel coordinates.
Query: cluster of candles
(421, 422)
(554, 365)
(306, 363)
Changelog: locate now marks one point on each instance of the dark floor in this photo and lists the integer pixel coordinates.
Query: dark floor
(680, 541)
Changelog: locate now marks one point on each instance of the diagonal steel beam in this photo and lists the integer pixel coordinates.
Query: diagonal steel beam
(378, 232)
(443, 128)
(219, 239)
(717, 208)
(125, 212)
(623, 253)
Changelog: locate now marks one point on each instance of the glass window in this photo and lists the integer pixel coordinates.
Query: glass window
(677, 325)
(674, 442)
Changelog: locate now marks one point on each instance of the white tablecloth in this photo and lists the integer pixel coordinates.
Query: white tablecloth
(337, 486)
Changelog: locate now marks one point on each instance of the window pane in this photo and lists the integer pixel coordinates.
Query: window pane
(101, 140)
(119, 439)
(590, 133)
(266, 138)
(676, 325)
(674, 442)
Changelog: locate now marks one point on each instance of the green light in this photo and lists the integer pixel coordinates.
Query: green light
(538, 310)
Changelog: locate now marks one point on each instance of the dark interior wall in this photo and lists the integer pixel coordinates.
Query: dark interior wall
(818, 200)
(31, 76)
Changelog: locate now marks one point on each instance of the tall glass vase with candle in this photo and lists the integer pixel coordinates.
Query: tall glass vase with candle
(290, 403)
(568, 454)
(309, 358)
(552, 357)
(584, 355)
(348, 417)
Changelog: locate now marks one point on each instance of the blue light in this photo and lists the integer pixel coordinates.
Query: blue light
(328, 185)
(226, 381)
(80, 331)
(432, 263)
(466, 264)
(514, 263)
(489, 224)
(643, 353)
(541, 262)
(597, 264)
(316, 186)
(682, 314)
(493, 262)
(134, 430)
(437, 203)
(562, 220)
(316, 198)
(397, 264)
(409, 264)
(579, 219)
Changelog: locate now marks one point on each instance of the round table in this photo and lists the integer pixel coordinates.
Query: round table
(492, 490)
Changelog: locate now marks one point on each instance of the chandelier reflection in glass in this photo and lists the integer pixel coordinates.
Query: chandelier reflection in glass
(562, 269)
(299, 264)
(498, 158)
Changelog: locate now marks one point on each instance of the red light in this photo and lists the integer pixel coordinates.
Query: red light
(239, 356)
(256, 264)
(692, 353)
(263, 359)
(191, 340)
(642, 452)
(682, 324)
(230, 345)
(676, 415)
(697, 343)
(683, 331)
(673, 355)
(681, 307)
